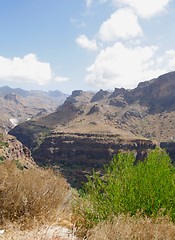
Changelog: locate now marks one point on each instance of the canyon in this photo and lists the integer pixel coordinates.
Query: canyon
(89, 128)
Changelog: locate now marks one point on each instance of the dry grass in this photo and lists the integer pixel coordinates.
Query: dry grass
(130, 228)
(32, 196)
(39, 233)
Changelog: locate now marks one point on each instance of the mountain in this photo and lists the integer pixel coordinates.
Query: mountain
(18, 91)
(18, 105)
(88, 128)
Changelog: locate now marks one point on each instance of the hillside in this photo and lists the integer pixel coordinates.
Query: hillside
(13, 150)
(89, 128)
(35, 202)
(18, 105)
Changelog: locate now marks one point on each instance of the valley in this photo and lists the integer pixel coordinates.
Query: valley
(89, 128)
(45, 159)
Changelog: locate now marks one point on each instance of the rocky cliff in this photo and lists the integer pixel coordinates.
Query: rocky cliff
(13, 150)
(76, 154)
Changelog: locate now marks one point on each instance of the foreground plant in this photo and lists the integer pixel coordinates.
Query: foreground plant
(125, 227)
(129, 187)
(29, 196)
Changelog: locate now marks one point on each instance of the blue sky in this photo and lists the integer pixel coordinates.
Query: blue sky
(85, 44)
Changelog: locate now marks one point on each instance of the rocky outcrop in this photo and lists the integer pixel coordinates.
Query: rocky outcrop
(11, 97)
(30, 134)
(99, 95)
(94, 109)
(13, 150)
(76, 155)
(158, 94)
(118, 102)
(118, 91)
(76, 93)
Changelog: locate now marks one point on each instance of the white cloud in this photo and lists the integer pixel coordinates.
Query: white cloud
(122, 24)
(84, 42)
(145, 8)
(27, 69)
(119, 66)
(168, 60)
(61, 79)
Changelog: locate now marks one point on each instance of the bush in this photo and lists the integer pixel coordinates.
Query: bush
(126, 187)
(125, 227)
(30, 195)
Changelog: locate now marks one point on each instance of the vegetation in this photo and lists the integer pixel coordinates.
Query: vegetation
(30, 196)
(2, 158)
(132, 200)
(128, 187)
(125, 227)
(3, 144)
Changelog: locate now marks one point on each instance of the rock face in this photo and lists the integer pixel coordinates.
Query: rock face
(100, 95)
(11, 97)
(75, 154)
(158, 95)
(94, 109)
(89, 128)
(13, 150)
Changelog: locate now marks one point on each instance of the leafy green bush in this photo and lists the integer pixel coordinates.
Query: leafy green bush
(128, 187)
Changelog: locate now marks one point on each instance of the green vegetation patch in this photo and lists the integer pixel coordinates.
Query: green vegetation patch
(4, 144)
(126, 187)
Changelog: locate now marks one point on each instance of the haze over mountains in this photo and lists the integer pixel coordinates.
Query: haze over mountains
(18, 105)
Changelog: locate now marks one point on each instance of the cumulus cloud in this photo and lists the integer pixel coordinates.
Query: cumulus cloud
(145, 9)
(27, 69)
(121, 24)
(119, 66)
(84, 42)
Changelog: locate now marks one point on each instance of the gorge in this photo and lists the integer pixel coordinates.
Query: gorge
(89, 128)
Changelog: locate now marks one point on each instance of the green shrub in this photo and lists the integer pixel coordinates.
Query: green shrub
(4, 144)
(19, 165)
(2, 158)
(126, 187)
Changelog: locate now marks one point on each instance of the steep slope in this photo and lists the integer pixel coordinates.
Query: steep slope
(13, 150)
(89, 128)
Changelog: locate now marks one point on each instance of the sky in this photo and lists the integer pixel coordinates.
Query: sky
(85, 44)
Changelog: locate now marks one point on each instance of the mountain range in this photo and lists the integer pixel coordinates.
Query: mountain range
(89, 128)
(18, 105)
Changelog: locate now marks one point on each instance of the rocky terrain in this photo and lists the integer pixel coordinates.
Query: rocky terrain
(18, 105)
(88, 128)
(13, 150)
